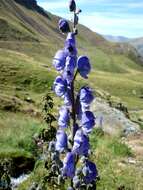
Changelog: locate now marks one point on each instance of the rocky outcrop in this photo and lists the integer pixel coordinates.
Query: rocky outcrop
(111, 120)
(32, 4)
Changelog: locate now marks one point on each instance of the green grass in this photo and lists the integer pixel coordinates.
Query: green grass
(109, 154)
(16, 131)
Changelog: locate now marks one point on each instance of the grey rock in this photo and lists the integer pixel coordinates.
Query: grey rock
(111, 120)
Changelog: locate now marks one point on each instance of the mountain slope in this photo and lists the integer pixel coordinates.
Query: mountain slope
(31, 33)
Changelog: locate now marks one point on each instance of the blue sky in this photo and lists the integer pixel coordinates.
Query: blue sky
(113, 17)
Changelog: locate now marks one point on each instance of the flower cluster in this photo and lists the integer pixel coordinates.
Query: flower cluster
(73, 148)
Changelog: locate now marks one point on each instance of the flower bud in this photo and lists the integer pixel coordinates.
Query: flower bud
(72, 5)
(64, 26)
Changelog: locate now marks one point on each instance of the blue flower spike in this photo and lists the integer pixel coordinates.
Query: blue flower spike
(70, 150)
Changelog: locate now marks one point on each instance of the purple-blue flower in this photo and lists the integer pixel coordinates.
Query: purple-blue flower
(59, 60)
(81, 143)
(90, 172)
(86, 97)
(70, 44)
(72, 5)
(83, 65)
(87, 121)
(69, 165)
(61, 140)
(64, 26)
(64, 117)
(60, 86)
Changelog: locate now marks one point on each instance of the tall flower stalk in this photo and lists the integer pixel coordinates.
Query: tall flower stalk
(70, 151)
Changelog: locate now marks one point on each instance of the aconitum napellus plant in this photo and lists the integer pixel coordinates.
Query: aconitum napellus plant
(70, 152)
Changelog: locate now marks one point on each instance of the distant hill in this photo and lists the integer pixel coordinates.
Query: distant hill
(116, 38)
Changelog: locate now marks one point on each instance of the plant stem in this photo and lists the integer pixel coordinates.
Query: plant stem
(73, 110)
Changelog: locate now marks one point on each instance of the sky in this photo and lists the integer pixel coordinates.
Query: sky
(108, 17)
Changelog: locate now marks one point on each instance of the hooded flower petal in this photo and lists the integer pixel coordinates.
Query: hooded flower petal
(81, 143)
(60, 86)
(64, 117)
(61, 140)
(72, 5)
(90, 172)
(64, 26)
(86, 97)
(69, 165)
(59, 60)
(83, 66)
(88, 121)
